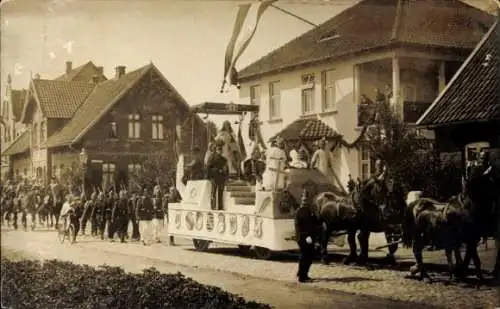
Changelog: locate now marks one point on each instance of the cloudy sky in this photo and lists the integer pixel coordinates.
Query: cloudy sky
(185, 39)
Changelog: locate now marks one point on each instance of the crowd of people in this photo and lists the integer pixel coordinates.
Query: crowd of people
(109, 214)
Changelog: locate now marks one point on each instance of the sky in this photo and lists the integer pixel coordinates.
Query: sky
(185, 39)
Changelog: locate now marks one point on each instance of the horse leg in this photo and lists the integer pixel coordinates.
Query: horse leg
(390, 259)
(363, 238)
(419, 267)
(327, 233)
(448, 252)
(477, 260)
(351, 240)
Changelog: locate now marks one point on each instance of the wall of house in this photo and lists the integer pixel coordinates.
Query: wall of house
(148, 98)
(342, 118)
(62, 158)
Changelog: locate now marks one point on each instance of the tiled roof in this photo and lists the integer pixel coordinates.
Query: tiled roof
(373, 24)
(18, 97)
(84, 73)
(20, 145)
(60, 99)
(472, 94)
(306, 129)
(103, 96)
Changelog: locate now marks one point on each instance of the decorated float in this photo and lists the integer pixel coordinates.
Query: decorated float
(257, 220)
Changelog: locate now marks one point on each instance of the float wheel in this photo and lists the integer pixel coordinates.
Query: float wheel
(244, 249)
(200, 244)
(262, 253)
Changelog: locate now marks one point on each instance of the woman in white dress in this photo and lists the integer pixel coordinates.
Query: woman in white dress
(230, 149)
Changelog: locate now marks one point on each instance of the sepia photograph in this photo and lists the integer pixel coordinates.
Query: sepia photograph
(250, 154)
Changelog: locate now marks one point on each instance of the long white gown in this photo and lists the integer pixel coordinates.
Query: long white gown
(229, 146)
(275, 159)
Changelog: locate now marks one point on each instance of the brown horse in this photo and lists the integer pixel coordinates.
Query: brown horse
(376, 206)
(464, 219)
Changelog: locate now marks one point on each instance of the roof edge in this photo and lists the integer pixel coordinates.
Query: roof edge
(13, 143)
(457, 74)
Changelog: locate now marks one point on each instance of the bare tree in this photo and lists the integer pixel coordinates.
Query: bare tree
(156, 168)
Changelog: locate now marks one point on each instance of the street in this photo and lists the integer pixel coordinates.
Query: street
(272, 282)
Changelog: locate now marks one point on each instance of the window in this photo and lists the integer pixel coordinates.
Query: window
(274, 101)
(410, 93)
(134, 126)
(328, 78)
(157, 124)
(108, 172)
(112, 130)
(42, 131)
(367, 164)
(307, 94)
(134, 168)
(255, 95)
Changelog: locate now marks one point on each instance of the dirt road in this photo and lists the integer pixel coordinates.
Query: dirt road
(272, 282)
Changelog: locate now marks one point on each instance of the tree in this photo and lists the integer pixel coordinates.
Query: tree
(390, 140)
(157, 167)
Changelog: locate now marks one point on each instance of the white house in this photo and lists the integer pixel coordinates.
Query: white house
(411, 47)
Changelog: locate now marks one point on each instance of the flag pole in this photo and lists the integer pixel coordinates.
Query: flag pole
(294, 15)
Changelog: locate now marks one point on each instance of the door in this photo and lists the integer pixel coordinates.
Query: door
(95, 174)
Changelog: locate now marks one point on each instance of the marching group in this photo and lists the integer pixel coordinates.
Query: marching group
(109, 214)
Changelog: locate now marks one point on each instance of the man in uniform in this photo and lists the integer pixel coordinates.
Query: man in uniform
(306, 227)
(132, 208)
(87, 211)
(172, 197)
(158, 216)
(119, 216)
(144, 212)
(217, 172)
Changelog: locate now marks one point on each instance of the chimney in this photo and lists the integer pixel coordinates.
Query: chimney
(100, 70)
(95, 78)
(120, 71)
(69, 67)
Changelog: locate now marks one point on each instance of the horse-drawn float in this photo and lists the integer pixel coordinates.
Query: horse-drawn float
(255, 219)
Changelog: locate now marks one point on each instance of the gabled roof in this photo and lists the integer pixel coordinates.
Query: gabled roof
(18, 98)
(472, 94)
(99, 102)
(85, 72)
(374, 24)
(19, 145)
(58, 99)
(306, 129)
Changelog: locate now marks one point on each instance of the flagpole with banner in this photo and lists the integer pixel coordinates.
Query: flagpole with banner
(242, 17)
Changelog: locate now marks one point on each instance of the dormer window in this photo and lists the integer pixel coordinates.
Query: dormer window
(134, 126)
(332, 35)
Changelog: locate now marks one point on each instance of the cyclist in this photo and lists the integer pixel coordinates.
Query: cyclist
(68, 211)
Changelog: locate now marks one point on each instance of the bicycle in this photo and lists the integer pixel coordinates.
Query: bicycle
(66, 229)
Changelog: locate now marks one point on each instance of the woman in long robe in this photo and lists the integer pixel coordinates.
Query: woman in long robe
(230, 149)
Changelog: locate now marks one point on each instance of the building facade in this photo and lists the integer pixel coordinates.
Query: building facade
(112, 124)
(332, 71)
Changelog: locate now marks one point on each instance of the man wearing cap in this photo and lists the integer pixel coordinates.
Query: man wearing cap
(306, 227)
(158, 216)
(132, 210)
(274, 177)
(217, 172)
(144, 213)
(119, 216)
(87, 211)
